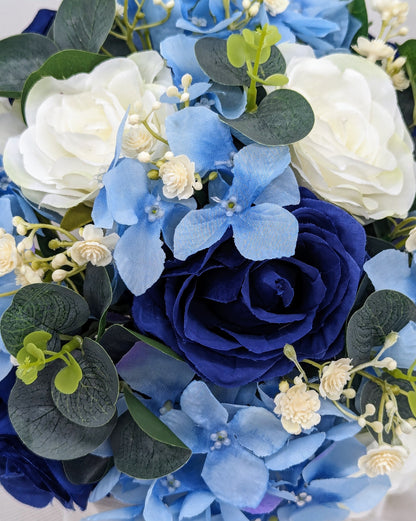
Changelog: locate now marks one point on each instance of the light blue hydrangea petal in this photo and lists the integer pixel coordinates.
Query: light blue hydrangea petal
(139, 256)
(335, 489)
(370, 495)
(340, 460)
(258, 430)
(231, 513)
(343, 431)
(154, 508)
(6, 214)
(404, 350)
(255, 167)
(236, 476)
(266, 231)
(312, 513)
(5, 364)
(105, 485)
(104, 450)
(296, 451)
(179, 53)
(173, 215)
(131, 513)
(188, 26)
(185, 429)
(283, 190)
(153, 373)
(197, 132)
(390, 270)
(119, 140)
(228, 100)
(195, 503)
(126, 186)
(202, 407)
(198, 230)
(101, 214)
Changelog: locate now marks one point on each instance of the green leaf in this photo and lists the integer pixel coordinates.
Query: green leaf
(84, 25)
(211, 54)
(93, 403)
(156, 344)
(358, 10)
(235, 50)
(76, 217)
(43, 429)
(150, 423)
(62, 65)
(20, 56)
(277, 80)
(142, 457)
(283, 117)
(383, 312)
(87, 469)
(39, 338)
(67, 379)
(412, 402)
(98, 292)
(408, 49)
(48, 307)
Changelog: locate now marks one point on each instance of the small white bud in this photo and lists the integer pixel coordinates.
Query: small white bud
(186, 80)
(156, 105)
(406, 427)
(349, 393)
(184, 97)
(144, 157)
(169, 155)
(254, 9)
(370, 409)
(134, 119)
(59, 275)
(172, 91)
(21, 229)
(59, 261)
(361, 422)
(283, 386)
(246, 4)
(403, 31)
(170, 4)
(391, 339)
(377, 427)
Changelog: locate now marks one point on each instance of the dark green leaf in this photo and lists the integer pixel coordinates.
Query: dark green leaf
(76, 217)
(87, 469)
(283, 117)
(48, 307)
(84, 25)
(211, 54)
(97, 290)
(62, 65)
(117, 340)
(20, 56)
(412, 402)
(93, 403)
(150, 423)
(408, 49)
(358, 9)
(142, 457)
(383, 312)
(43, 429)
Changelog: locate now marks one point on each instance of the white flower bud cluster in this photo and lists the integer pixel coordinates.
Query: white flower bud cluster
(178, 176)
(95, 247)
(383, 459)
(334, 378)
(275, 7)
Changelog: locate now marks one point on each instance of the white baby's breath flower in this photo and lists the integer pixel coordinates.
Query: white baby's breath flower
(95, 248)
(382, 459)
(334, 378)
(275, 7)
(178, 176)
(298, 407)
(9, 257)
(373, 50)
(26, 275)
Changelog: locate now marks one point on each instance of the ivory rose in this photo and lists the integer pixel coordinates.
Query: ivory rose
(359, 152)
(72, 127)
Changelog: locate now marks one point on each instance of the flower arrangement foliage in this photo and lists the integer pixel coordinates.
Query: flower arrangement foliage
(207, 236)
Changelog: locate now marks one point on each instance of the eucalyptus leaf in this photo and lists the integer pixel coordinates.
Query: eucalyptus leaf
(76, 217)
(20, 56)
(142, 457)
(117, 340)
(43, 429)
(383, 312)
(211, 54)
(97, 290)
(282, 117)
(46, 307)
(150, 423)
(62, 65)
(408, 49)
(93, 403)
(87, 469)
(84, 25)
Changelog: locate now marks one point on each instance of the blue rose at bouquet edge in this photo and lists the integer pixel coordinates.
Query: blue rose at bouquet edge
(230, 317)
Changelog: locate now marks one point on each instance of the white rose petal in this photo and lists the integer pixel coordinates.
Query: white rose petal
(298, 407)
(178, 176)
(383, 459)
(72, 128)
(334, 378)
(359, 152)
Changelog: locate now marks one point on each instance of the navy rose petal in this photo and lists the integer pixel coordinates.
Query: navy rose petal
(230, 317)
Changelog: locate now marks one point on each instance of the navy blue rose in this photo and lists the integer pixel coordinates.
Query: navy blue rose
(230, 317)
(31, 479)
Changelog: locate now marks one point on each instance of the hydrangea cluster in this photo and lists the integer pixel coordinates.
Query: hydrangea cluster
(207, 271)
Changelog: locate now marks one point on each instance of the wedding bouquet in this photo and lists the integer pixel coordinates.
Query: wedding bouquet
(208, 291)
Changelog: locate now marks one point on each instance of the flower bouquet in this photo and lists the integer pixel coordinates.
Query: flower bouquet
(207, 281)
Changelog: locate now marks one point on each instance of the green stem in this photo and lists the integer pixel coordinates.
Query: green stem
(9, 293)
(252, 90)
(52, 227)
(153, 133)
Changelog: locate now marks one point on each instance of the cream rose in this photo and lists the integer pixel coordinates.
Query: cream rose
(95, 248)
(382, 459)
(334, 378)
(9, 257)
(178, 176)
(359, 152)
(72, 128)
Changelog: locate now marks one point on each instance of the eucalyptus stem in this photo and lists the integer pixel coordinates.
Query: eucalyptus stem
(252, 90)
